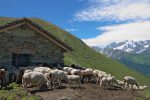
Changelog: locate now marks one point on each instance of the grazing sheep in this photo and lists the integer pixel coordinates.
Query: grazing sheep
(74, 79)
(103, 82)
(61, 76)
(35, 78)
(142, 88)
(2, 77)
(100, 76)
(53, 76)
(89, 70)
(75, 72)
(86, 75)
(66, 73)
(67, 69)
(120, 83)
(43, 70)
(95, 72)
(112, 81)
(27, 71)
(58, 76)
(108, 82)
(130, 81)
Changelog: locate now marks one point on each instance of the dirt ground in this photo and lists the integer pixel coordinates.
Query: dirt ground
(87, 92)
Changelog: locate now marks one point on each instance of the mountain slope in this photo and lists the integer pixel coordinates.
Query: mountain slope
(86, 56)
(135, 54)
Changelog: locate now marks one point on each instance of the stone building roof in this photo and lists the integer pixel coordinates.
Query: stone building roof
(38, 28)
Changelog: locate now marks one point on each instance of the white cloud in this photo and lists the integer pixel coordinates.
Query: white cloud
(130, 31)
(71, 30)
(120, 10)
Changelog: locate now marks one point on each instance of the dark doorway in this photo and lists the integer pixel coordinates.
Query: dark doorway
(20, 59)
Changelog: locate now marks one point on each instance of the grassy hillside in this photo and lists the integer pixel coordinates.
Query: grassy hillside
(139, 62)
(86, 56)
(139, 58)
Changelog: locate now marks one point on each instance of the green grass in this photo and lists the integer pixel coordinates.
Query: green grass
(12, 91)
(140, 58)
(87, 57)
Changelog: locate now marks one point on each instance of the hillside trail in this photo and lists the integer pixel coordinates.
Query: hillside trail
(88, 92)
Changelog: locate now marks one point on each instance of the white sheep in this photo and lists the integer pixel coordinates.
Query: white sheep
(103, 82)
(27, 71)
(53, 76)
(98, 71)
(112, 81)
(120, 83)
(142, 88)
(67, 69)
(66, 73)
(43, 70)
(108, 81)
(100, 76)
(130, 81)
(61, 76)
(89, 70)
(35, 78)
(74, 79)
(57, 76)
(75, 72)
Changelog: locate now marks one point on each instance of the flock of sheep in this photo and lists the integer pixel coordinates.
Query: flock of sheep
(45, 76)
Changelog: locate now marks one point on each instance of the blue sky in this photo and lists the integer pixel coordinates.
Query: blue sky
(59, 12)
(96, 22)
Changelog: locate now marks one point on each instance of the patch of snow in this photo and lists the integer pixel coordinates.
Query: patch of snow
(141, 51)
(146, 46)
(119, 48)
(128, 50)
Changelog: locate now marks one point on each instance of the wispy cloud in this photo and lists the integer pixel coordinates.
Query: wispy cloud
(120, 10)
(71, 30)
(129, 31)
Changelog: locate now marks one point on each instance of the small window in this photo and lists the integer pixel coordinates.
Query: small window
(20, 59)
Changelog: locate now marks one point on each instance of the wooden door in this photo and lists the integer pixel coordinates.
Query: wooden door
(20, 60)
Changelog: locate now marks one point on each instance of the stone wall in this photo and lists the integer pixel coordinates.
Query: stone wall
(27, 41)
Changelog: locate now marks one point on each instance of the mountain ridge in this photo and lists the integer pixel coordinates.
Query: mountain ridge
(135, 54)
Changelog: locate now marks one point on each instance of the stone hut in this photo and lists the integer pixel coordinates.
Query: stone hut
(24, 42)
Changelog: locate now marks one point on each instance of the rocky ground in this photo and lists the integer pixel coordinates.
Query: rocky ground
(88, 92)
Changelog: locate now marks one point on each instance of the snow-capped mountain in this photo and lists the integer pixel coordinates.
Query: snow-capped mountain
(130, 46)
(135, 54)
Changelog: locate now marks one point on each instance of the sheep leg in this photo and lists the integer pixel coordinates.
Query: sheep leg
(97, 81)
(59, 82)
(54, 84)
